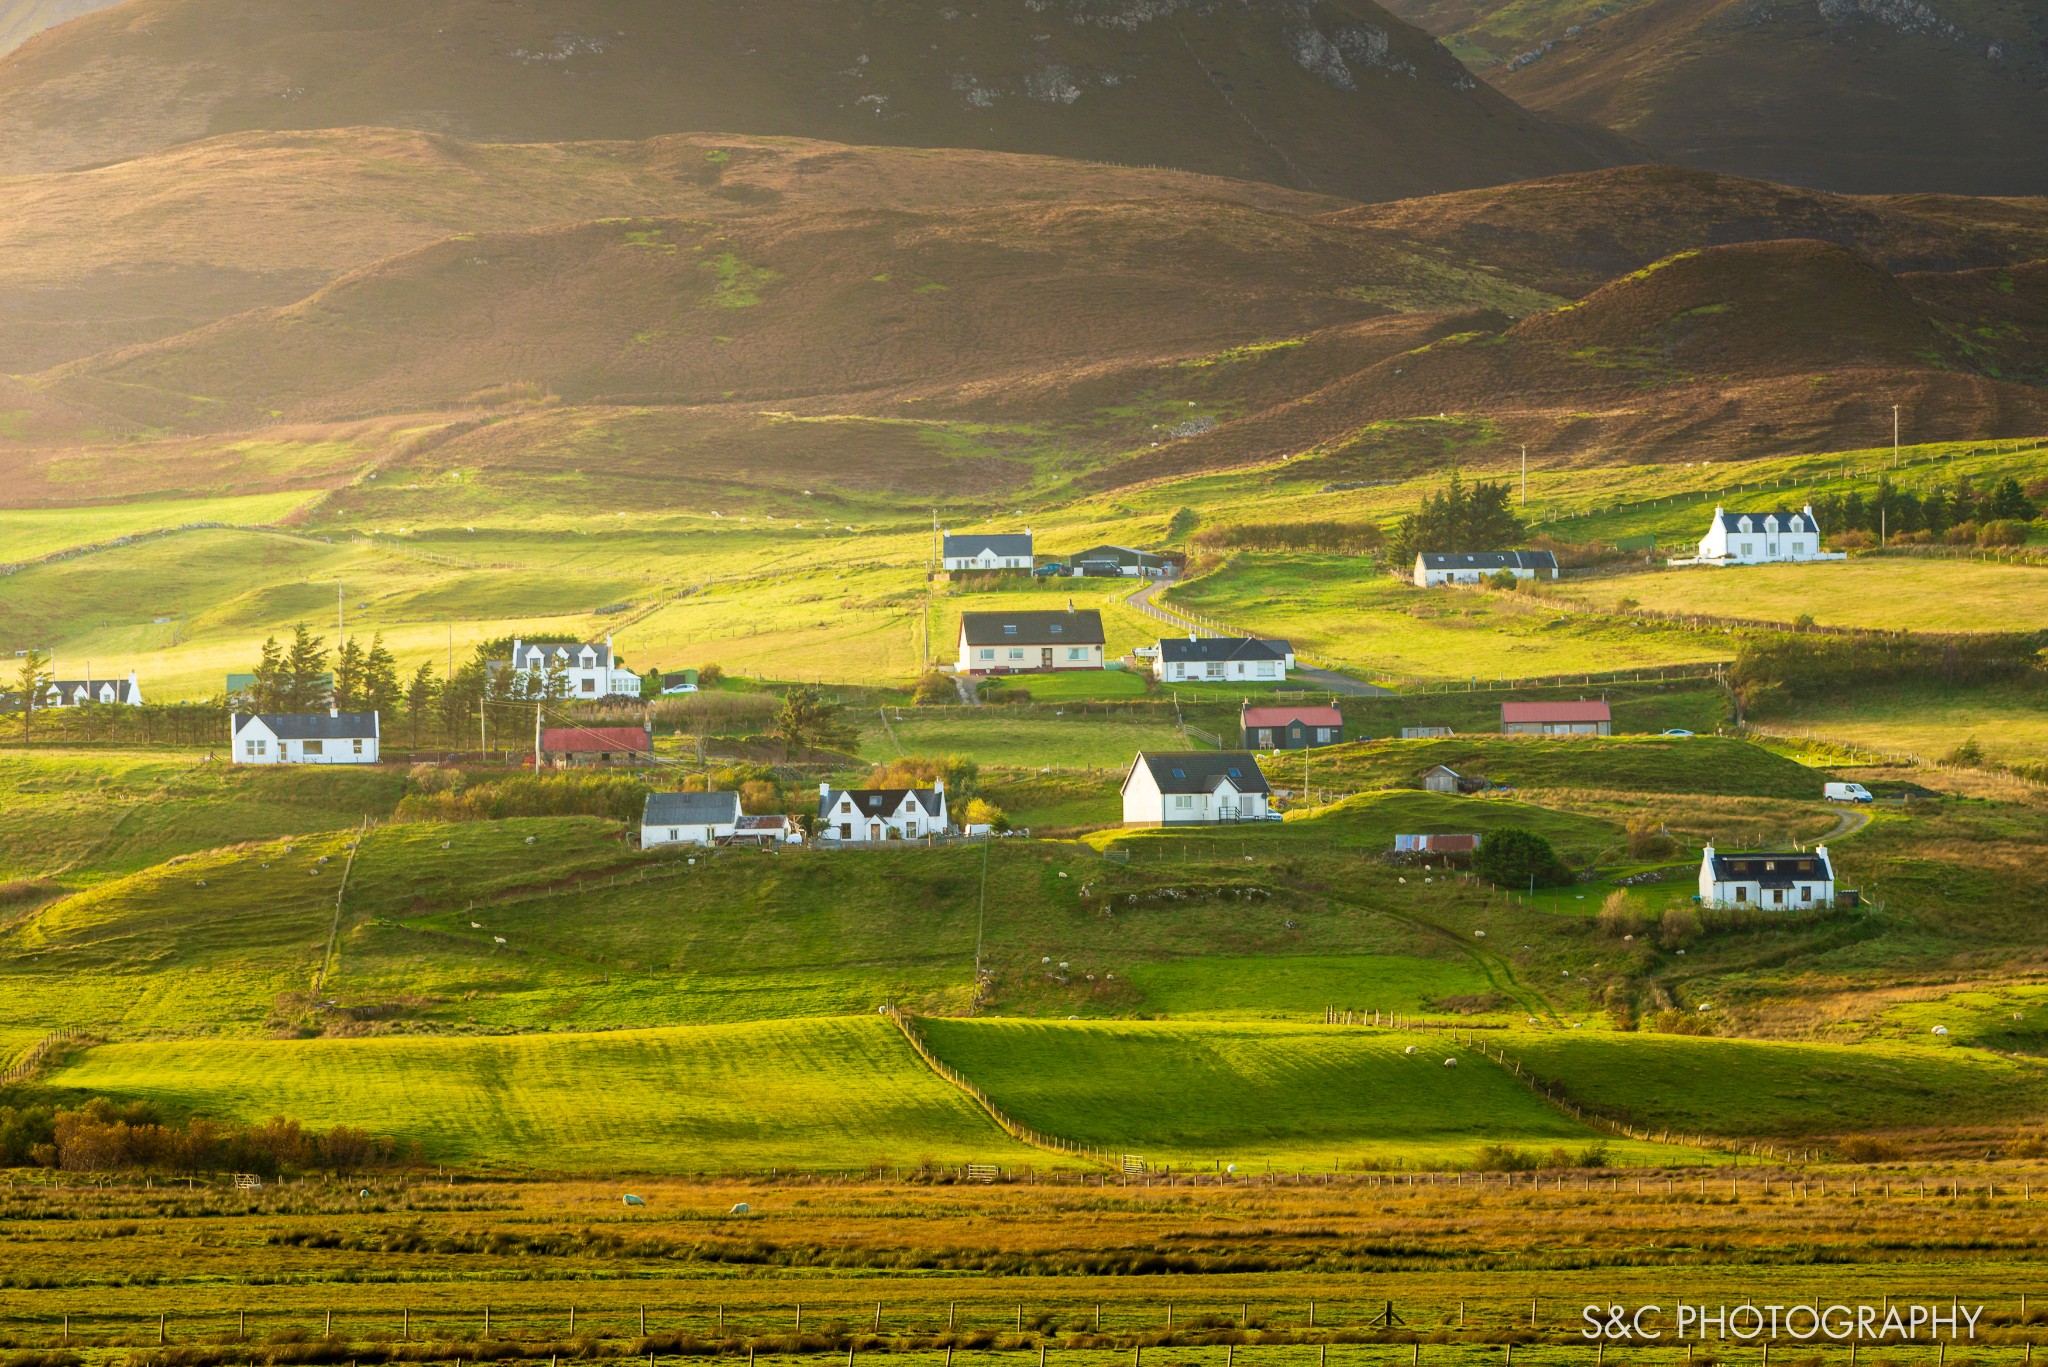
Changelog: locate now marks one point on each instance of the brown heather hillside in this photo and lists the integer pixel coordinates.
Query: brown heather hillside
(162, 244)
(767, 310)
(1869, 96)
(1334, 96)
(1762, 349)
(1571, 234)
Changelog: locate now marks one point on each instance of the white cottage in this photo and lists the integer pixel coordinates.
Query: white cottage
(1233, 659)
(332, 737)
(1762, 538)
(590, 667)
(1462, 567)
(77, 692)
(688, 818)
(1194, 788)
(971, 551)
(861, 816)
(1792, 881)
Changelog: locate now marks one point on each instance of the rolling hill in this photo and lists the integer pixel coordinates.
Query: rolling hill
(1334, 95)
(1890, 96)
(21, 20)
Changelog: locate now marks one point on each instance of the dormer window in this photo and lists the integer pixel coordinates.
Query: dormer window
(1180, 773)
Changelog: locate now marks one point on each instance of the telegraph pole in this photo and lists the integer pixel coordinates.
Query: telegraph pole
(536, 740)
(1895, 436)
(1525, 474)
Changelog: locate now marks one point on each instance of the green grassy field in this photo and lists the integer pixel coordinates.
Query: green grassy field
(1891, 594)
(1250, 1094)
(2009, 722)
(1343, 610)
(821, 1094)
(26, 533)
(1766, 1087)
(78, 814)
(994, 736)
(1717, 765)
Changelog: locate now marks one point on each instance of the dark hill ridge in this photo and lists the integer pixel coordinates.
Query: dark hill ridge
(1866, 96)
(1568, 235)
(1335, 96)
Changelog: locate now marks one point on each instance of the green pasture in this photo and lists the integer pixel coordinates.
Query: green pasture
(2009, 721)
(1750, 1087)
(800, 1094)
(997, 736)
(1882, 592)
(1039, 801)
(1298, 987)
(26, 533)
(1343, 610)
(1699, 765)
(1253, 1094)
(77, 815)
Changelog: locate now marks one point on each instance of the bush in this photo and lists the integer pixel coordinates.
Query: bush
(1504, 1158)
(1502, 579)
(618, 796)
(1350, 538)
(1968, 755)
(2005, 533)
(1647, 839)
(980, 812)
(710, 676)
(962, 775)
(1865, 1148)
(760, 797)
(934, 689)
(1679, 927)
(1519, 858)
(1619, 917)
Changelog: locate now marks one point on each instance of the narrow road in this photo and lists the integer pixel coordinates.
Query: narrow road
(1321, 680)
(1847, 823)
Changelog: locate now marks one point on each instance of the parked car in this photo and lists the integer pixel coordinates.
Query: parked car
(1049, 571)
(1846, 792)
(1678, 732)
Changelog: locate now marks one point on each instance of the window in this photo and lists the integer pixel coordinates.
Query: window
(1016, 652)
(1057, 628)
(1748, 548)
(359, 747)
(1009, 631)
(1323, 735)
(258, 748)
(988, 654)
(590, 685)
(1237, 773)
(1183, 802)
(1267, 668)
(1742, 894)
(313, 747)
(1077, 653)
(673, 833)
(1180, 773)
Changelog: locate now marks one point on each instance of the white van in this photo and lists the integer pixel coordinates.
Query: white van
(1846, 792)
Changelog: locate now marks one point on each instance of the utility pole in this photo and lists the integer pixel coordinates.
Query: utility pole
(1895, 436)
(483, 746)
(340, 616)
(536, 740)
(1525, 474)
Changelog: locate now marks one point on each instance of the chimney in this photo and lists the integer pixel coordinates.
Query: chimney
(1070, 604)
(938, 785)
(824, 790)
(1191, 633)
(1822, 851)
(334, 712)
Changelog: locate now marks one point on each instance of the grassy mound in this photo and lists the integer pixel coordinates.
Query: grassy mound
(1284, 1094)
(821, 1094)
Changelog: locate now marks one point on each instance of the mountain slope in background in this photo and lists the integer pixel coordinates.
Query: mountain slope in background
(161, 244)
(21, 20)
(1867, 96)
(1327, 95)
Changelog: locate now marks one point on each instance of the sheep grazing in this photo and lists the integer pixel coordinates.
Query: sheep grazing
(1450, 1063)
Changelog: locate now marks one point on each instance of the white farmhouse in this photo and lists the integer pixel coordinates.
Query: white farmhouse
(1235, 659)
(1770, 881)
(970, 551)
(589, 666)
(688, 818)
(1762, 538)
(1461, 567)
(861, 816)
(332, 737)
(77, 692)
(1194, 788)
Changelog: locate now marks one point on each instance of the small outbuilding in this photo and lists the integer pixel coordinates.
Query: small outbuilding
(1288, 727)
(568, 745)
(688, 818)
(1441, 779)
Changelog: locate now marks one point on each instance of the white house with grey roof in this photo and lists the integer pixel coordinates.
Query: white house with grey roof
(688, 818)
(1222, 659)
(1763, 538)
(590, 668)
(966, 552)
(1769, 881)
(330, 737)
(78, 692)
(1194, 788)
(1470, 567)
(869, 816)
(1030, 642)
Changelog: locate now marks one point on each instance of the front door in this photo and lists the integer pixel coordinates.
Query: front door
(1045, 658)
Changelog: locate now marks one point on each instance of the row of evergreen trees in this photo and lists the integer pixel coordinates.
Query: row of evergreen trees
(1892, 511)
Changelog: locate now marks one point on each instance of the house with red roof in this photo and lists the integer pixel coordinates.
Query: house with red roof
(1556, 719)
(1290, 726)
(566, 745)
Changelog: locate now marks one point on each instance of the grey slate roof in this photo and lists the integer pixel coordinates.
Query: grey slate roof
(974, 543)
(572, 653)
(1489, 560)
(1069, 628)
(123, 690)
(1787, 521)
(312, 725)
(1771, 869)
(1199, 771)
(1116, 555)
(691, 809)
(880, 801)
(1179, 649)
